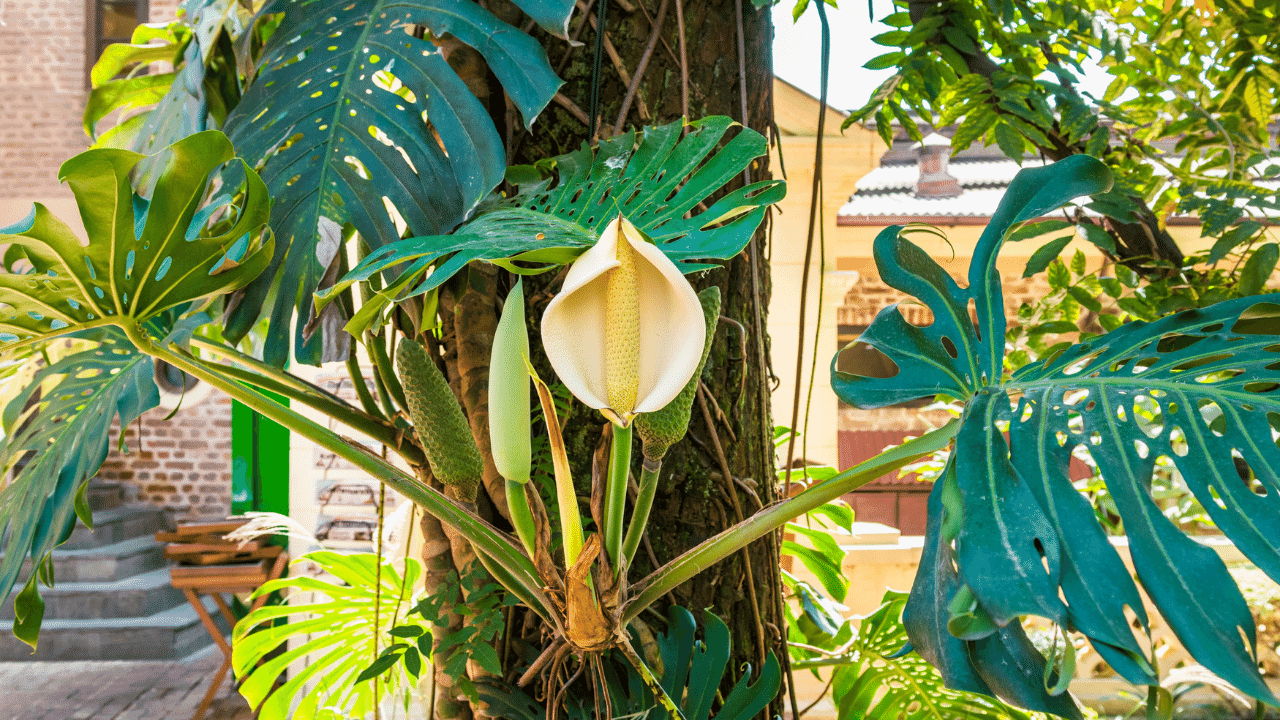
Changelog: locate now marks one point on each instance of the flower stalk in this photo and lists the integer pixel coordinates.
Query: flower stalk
(615, 494)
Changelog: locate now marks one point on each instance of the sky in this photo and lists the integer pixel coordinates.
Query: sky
(797, 53)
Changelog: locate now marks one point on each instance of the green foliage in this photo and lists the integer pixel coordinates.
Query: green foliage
(481, 602)
(1199, 78)
(552, 220)
(986, 563)
(155, 110)
(692, 673)
(875, 677)
(340, 625)
(874, 670)
(56, 437)
(354, 121)
(144, 265)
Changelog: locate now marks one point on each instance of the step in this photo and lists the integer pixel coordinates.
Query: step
(104, 564)
(119, 524)
(105, 495)
(169, 635)
(131, 597)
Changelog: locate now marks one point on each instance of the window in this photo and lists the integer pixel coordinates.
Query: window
(112, 21)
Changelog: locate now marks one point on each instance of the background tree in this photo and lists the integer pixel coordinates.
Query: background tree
(1184, 124)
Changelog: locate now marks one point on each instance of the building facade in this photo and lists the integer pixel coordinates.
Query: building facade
(46, 50)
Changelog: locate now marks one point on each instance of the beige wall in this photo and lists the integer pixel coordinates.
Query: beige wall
(846, 158)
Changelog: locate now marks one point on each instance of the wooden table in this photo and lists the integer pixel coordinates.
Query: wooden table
(214, 580)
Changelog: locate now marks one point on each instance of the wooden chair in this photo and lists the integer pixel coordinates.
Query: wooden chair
(216, 566)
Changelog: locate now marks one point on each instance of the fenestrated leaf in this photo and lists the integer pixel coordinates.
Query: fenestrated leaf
(57, 434)
(142, 267)
(141, 259)
(553, 220)
(351, 118)
(1161, 389)
(1194, 387)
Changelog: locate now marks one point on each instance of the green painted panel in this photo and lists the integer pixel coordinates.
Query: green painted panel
(259, 460)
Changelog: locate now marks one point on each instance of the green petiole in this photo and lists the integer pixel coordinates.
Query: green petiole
(640, 514)
(615, 494)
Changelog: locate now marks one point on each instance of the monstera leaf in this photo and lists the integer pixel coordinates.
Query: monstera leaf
(336, 624)
(353, 120)
(155, 110)
(879, 681)
(56, 439)
(1008, 535)
(142, 267)
(654, 185)
(692, 672)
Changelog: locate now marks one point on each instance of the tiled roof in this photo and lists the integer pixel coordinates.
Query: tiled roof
(982, 173)
(886, 194)
(973, 202)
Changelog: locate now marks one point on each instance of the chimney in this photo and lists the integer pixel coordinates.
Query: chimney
(934, 180)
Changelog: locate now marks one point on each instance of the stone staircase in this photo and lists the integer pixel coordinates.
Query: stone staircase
(112, 599)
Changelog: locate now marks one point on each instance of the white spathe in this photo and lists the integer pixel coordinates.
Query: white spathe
(670, 336)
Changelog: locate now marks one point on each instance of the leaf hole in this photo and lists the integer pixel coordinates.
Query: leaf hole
(1120, 414)
(1178, 442)
(1213, 417)
(1260, 319)
(1148, 416)
(357, 165)
(1218, 376)
(1247, 475)
(863, 360)
(1261, 387)
(1142, 449)
(1213, 492)
(1173, 342)
(1143, 365)
(950, 347)
(1198, 362)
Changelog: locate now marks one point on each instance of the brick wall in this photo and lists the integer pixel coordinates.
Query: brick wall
(42, 81)
(869, 295)
(182, 465)
(43, 71)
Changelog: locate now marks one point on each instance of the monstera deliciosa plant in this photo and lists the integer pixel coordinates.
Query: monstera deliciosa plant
(360, 197)
(1009, 537)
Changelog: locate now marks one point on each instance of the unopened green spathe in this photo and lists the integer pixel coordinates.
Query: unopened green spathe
(661, 429)
(509, 400)
(437, 418)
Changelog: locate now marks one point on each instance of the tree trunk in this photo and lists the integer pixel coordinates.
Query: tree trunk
(694, 500)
